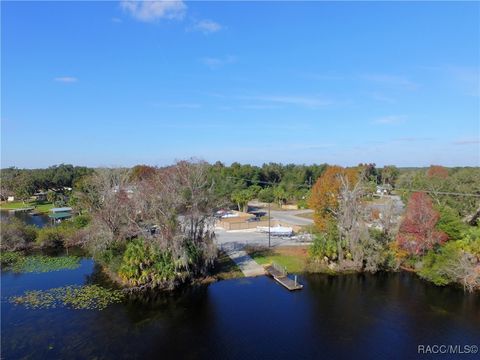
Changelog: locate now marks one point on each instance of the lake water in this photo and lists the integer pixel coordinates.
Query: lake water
(37, 220)
(382, 316)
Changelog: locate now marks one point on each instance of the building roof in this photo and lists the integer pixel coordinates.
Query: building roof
(60, 215)
(62, 209)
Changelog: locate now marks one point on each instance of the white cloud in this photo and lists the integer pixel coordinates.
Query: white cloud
(66, 79)
(467, 142)
(213, 62)
(149, 11)
(206, 26)
(390, 119)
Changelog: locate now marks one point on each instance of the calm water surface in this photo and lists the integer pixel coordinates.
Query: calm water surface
(383, 316)
(37, 220)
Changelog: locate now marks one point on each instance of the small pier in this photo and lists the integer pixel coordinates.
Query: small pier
(280, 274)
(25, 209)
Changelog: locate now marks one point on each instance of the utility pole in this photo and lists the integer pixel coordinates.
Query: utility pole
(269, 205)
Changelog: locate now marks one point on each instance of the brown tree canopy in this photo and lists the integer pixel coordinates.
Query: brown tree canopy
(437, 171)
(417, 232)
(142, 172)
(326, 191)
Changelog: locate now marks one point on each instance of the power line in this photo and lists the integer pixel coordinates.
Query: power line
(397, 189)
(440, 192)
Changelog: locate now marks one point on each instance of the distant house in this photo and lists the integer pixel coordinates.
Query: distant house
(129, 190)
(11, 198)
(40, 196)
(385, 189)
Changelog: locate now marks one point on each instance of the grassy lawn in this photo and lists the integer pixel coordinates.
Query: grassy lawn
(43, 206)
(293, 257)
(225, 268)
(40, 206)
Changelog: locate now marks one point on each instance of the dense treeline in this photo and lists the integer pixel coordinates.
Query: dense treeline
(438, 180)
(237, 182)
(23, 183)
(152, 227)
(282, 184)
(437, 235)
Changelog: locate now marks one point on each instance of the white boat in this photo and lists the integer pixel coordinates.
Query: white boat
(276, 230)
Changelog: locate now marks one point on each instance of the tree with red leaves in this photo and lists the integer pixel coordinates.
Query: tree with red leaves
(437, 171)
(417, 232)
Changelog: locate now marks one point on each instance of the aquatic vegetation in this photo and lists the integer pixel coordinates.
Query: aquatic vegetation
(8, 258)
(21, 263)
(87, 297)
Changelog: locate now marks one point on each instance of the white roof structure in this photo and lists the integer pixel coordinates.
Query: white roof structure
(62, 209)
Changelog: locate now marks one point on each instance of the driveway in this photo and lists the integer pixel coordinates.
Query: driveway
(398, 206)
(289, 216)
(237, 240)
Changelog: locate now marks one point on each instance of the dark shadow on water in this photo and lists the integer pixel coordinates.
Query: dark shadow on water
(361, 316)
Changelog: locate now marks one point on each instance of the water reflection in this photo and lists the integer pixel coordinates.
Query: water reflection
(37, 220)
(360, 316)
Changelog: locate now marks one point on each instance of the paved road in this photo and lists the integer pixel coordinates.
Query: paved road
(289, 216)
(398, 205)
(237, 240)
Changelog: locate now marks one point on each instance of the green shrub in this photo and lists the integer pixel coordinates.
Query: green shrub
(434, 265)
(8, 258)
(54, 236)
(144, 264)
(456, 261)
(324, 245)
(194, 253)
(470, 241)
(450, 223)
(266, 195)
(80, 221)
(16, 235)
(302, 204)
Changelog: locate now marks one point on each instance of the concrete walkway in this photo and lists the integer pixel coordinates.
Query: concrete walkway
(247, 265)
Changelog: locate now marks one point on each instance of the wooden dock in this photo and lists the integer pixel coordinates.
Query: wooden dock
(25, 209)
(280, 274)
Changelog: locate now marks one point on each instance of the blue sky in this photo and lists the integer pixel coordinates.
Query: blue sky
(122, 83)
